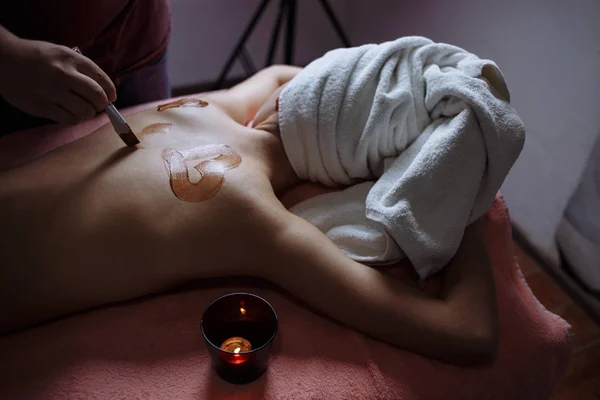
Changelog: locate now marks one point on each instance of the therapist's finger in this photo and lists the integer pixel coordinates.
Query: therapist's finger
(89, 90)
(55, 113)
(75, 104)
(89, 68)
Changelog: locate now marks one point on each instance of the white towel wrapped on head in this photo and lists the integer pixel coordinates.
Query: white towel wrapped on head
(424, 128)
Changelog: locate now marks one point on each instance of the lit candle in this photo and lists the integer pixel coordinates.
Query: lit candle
(239, 329)
(236, 345)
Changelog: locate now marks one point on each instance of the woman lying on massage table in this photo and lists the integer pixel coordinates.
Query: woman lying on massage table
(95, 222)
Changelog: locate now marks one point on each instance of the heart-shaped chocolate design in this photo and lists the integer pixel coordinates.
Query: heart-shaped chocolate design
(216, 160)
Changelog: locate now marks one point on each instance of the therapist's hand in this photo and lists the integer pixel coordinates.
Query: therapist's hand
(51, 81)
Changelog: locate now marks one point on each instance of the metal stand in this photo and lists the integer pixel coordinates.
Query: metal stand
(287, 11)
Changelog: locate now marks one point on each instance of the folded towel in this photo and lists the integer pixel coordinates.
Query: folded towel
(427, 126)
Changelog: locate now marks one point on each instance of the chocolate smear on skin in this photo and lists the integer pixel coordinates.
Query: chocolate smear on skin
(159, 127)
(186, 102)
(216, 160)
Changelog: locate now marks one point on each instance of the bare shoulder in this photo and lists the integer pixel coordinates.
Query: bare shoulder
(243, 100)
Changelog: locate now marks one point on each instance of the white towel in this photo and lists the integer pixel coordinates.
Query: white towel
(427, 131)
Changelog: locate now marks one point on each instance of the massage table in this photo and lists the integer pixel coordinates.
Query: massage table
(153, 348)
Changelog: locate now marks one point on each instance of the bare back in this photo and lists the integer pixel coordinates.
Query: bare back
(188, 196)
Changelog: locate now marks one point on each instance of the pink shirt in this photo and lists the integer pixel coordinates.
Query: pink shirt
(119, 35)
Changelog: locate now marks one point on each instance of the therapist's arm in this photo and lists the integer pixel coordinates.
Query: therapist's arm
(459, 327)
(51, 81)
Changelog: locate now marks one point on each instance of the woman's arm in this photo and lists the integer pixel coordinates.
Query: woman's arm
(51, 81)
(243, 100)
(459, 327)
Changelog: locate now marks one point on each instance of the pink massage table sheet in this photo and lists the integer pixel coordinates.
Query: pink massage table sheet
(153, 348)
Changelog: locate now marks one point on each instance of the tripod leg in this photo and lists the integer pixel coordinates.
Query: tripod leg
(275, 33)
(246, 61)
(335, 22)
(240, 44)
(290, 32)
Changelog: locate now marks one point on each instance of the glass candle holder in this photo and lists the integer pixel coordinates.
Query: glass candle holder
(239, 329)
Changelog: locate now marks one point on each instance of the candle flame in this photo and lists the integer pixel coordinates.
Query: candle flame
(243, 311)
(236, 345)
